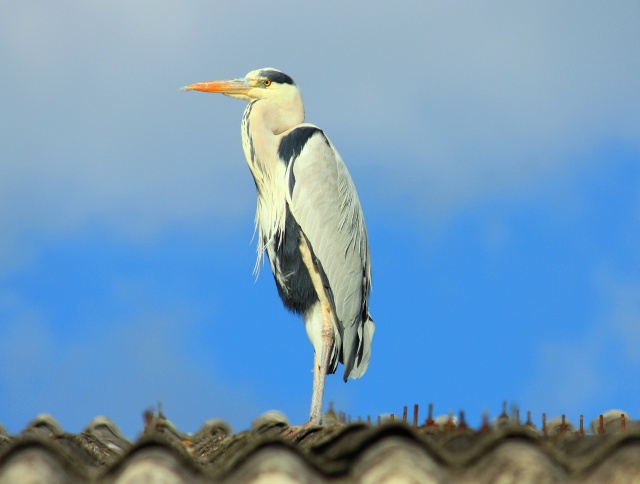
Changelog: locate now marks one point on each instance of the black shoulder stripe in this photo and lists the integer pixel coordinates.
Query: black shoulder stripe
(292, 144)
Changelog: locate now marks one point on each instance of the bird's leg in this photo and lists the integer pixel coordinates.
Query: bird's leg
(321, 365)
(320, 368)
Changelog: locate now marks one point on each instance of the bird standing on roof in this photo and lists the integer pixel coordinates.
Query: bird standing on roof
(309, 222)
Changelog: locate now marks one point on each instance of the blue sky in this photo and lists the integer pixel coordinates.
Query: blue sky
(496, 151)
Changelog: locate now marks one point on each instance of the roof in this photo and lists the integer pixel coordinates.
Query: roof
(507, 450)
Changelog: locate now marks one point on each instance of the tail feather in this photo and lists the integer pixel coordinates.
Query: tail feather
(360, 358)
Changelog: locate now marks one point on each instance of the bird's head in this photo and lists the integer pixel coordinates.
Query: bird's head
(267, 83)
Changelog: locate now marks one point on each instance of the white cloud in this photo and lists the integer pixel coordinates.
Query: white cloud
(568, 378)
(123, 368)
(450, 102)
(623, 323)
(576, 375)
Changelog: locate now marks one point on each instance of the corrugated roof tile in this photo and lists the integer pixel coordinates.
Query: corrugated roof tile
(510, 451)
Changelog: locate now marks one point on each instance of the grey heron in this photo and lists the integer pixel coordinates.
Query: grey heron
(309, 222)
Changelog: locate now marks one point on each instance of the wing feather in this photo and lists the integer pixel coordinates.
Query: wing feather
(324, 202)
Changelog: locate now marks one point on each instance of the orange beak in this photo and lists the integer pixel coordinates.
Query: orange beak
(232, 86)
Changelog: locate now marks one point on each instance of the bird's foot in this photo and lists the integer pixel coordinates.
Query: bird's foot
(299, 432)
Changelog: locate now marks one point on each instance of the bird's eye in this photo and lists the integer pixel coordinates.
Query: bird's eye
(266, 82)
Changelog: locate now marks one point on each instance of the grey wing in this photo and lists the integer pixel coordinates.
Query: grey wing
(324, 202)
